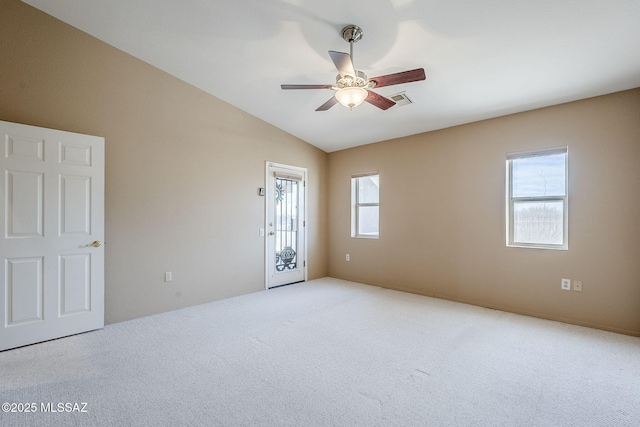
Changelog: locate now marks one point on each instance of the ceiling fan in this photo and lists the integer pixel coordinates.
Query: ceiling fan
(352, 86)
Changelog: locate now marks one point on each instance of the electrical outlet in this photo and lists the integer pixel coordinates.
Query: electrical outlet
(168, 276)
(566, 284)
(577, 285)
(348, 258)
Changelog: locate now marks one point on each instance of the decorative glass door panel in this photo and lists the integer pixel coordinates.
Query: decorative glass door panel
(286, 225)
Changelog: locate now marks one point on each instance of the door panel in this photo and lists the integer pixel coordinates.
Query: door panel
(24, 290)
(75, 205)
(52, 189)
(24, 204)
(24, 147)
(75, 284)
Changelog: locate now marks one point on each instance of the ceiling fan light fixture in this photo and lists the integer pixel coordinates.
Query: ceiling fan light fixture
(351, 97)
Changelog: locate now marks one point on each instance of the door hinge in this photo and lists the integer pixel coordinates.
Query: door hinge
(304, 263)
(304, 183)
(304, 223)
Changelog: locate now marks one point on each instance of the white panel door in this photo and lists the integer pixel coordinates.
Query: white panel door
(51, 254)
(286, 232)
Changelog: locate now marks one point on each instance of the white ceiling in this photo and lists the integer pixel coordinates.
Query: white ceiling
(483, 58)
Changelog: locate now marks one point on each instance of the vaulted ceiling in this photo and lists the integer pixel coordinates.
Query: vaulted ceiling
(482, 59)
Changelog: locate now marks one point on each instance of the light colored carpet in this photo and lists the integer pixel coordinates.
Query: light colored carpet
(330, 353)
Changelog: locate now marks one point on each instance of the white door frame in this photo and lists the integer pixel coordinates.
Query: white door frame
(267, 212)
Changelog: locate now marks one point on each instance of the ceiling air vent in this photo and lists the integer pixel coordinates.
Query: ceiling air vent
(400, 99)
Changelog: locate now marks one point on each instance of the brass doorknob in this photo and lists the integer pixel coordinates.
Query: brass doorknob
(96, 244)
(271, 233)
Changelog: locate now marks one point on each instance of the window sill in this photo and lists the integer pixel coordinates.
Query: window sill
(535, 246)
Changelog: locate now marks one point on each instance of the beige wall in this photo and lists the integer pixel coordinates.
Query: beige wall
(442, 215)
(182, 167)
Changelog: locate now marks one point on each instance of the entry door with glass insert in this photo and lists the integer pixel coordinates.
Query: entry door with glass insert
(285, 225)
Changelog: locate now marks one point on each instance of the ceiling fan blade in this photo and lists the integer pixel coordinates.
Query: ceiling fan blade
(343, 63)
(398, 78)
(330, 103)
(306, 87)
(379, 101)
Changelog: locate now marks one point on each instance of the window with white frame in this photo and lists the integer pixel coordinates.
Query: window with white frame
(365, 205)
(537, 195)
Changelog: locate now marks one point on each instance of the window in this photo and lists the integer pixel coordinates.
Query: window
(365, 205)
(537, 199)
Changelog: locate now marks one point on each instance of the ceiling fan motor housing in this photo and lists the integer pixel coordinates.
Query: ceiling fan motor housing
(359, 80)
(351, 33)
